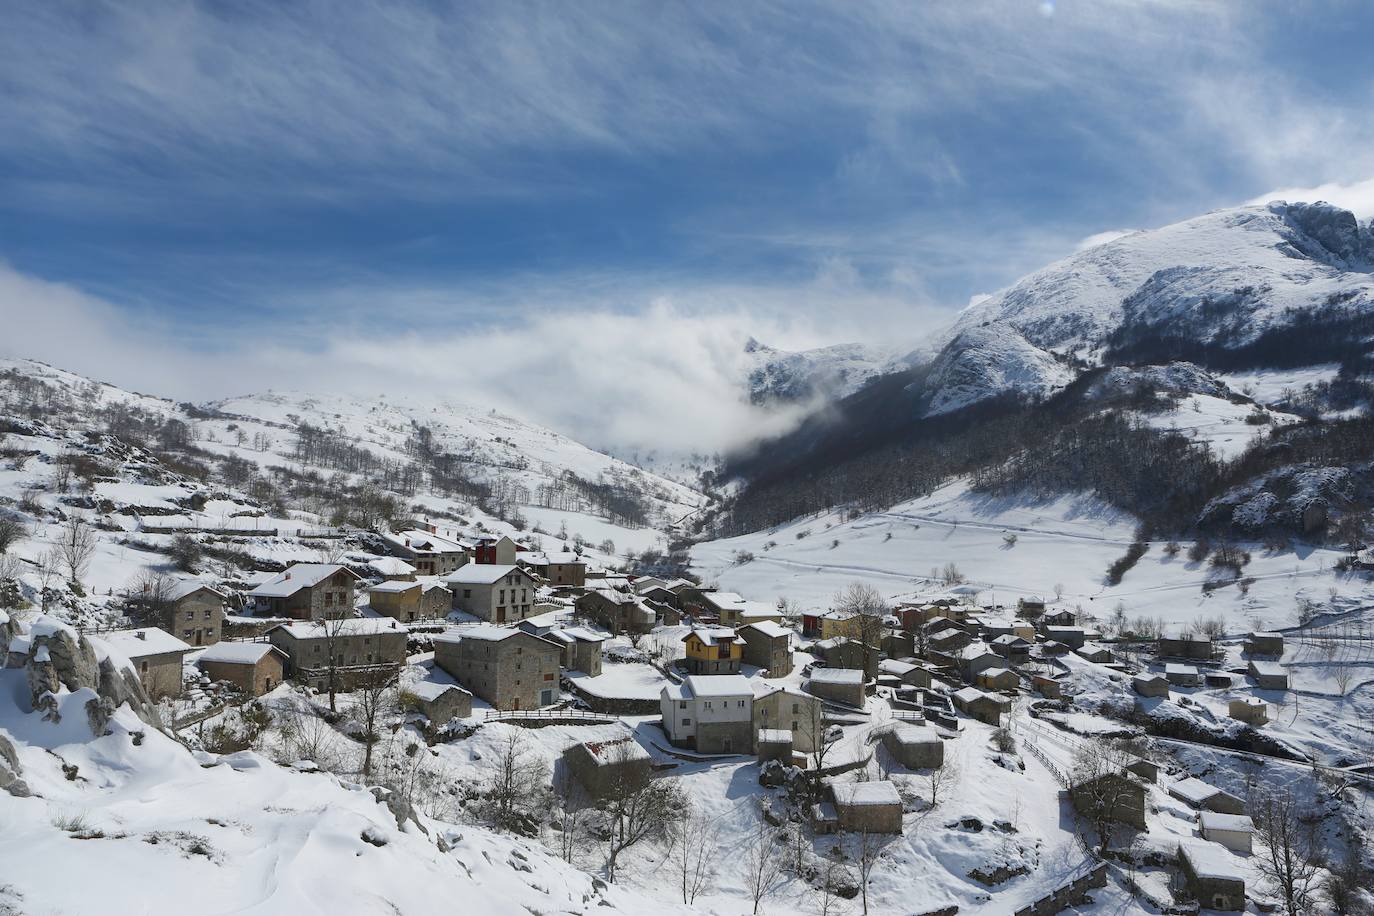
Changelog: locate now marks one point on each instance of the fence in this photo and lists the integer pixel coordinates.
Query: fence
(548, 715)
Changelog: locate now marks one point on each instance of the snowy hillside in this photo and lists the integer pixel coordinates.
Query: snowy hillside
(782, 376)
(1224, 278)
(1061, 545)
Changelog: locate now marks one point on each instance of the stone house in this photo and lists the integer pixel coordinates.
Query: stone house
(1250, 710)
(499, 593)
(1265, 644)
(194, 612)
(1073, 637)
(659, 594)
(914, 747)
(710, 713)
(898, 645)
(773, 744)
(1030, 607)
(255, 668)
(948, 639)
(581, 648)
(998, 679)
(429, 552)
(441, 703)
(713, 650)
(606, 768)
(909, 674)
(1268, 675)
(848, 653)
(561, 569)
(157, 656)
(1015, 649)
(500, 551)
(408, 601)
(840, 685)
(767, 645)
(1234, 831)
(1203, 796)
(392, 569)
(360, 647)
(791, 710)
(734, 610)
(509, 668)
(867, 807)
(1047, 687)
(307, 591)
(1120, 795)
(1198, 648)
(1150, 685)
(1182, 675)
(976, 704)
(1094, 652)
(1214, 878)
(618, 612)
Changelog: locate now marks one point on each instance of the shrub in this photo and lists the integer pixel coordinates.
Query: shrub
(1117, 571)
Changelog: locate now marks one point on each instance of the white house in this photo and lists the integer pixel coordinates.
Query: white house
(710, 713)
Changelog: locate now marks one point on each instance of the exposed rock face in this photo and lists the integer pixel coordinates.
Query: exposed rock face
(10, 770)
(61, 657)
(1343, 242)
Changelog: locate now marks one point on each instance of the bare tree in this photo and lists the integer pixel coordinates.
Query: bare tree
(517, 783)
(694, 833)
(1290, 855)
(148, 601)
(870, 847)
(942, 778)
(638, 808)
(12, 530)
(49, 571)
(832, 880)
(333, 630)
(762, 863)
(871, 607)
(571, 815)
(823, 737)
(76, 545)
(374, 695)
(1101, 791)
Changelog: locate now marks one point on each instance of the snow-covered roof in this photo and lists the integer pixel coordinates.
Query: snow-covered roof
(912, 734)
(617, 750)
(237, 653)
(713, 636)
(143, 641)
(775, 736)
(846, 676)
(995, 672)
(718, 685)
(770, 628)
(356, 626)
(874, 792)
(396, 586)
(1215, 820)
(433, 690)
(582, 634)
(564, 557)
(1211, 860)
(1092, 648)
(180, 588)
(892, 666)
(1258, 634)
(1268, 669)
(1149, 679)
(1010, 639)
(1193, 790)
(480, 573)
(297, 577)
(424, 541)
(391, 566)
(1173, 668)
(970, 695)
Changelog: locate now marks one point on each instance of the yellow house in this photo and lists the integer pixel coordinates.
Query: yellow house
(845, 626)
(713, 651)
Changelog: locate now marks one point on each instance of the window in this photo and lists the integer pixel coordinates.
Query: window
(796, 708)
(548, 677)
(369, 657)
(143, 666)
(190, 615)
(467, 593)
(686, 721)
(328, 599)
(209, 615)
(708, 704)
(186, 633)
(681, 704)
(741, 704)
(317, 648)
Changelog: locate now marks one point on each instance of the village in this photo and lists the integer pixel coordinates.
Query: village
(764, 749)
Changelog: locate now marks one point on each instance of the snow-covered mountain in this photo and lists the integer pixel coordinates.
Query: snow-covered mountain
(783, 376)
(1222, 280)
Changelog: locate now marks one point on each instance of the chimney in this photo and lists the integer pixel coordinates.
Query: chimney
(141, 634)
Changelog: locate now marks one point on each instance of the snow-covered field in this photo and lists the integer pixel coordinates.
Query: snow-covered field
(1065, 542)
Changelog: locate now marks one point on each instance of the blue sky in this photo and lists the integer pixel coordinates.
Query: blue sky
(202, 175)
